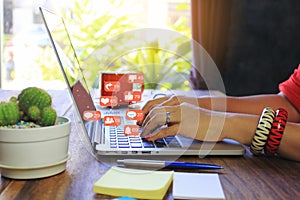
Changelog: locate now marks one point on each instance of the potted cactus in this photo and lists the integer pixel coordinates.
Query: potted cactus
(33, 139)
(32, 104)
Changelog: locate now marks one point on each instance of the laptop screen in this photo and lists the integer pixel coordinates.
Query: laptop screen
(61, 42)
(68, 61)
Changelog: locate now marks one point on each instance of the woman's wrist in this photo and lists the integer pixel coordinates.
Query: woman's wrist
(240, 127)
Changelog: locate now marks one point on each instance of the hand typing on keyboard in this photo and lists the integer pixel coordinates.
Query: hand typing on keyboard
(179, 115)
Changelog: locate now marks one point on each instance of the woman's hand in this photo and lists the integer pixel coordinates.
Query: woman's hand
(184, 119)
(167, 101)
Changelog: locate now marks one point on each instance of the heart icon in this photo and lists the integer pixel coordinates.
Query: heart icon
(104, 100)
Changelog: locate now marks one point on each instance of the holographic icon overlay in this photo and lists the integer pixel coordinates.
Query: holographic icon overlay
(159, 74)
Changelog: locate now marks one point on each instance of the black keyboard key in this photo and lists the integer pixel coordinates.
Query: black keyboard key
(169, 139)
(160, 145)
(161, 141)
(172, 142)
(147, 144)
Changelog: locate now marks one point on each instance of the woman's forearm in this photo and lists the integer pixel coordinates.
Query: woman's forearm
(290, 142)
(242, 127)
(250, 104)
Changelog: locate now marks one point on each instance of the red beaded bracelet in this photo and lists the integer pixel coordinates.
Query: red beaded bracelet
(263, 129)
(276, 132)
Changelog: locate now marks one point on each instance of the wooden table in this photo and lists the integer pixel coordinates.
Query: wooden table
(243, 177)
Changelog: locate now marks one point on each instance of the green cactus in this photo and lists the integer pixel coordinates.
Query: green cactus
(9, 113)
(13, 99)
(32, 104)
(33, 96)
(34, 113)
(48, 116)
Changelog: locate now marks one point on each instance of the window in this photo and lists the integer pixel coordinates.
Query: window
(29, 60)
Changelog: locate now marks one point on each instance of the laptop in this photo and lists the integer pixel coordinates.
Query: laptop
(105, 140)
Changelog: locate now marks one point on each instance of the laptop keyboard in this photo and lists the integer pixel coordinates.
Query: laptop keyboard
(119, 140)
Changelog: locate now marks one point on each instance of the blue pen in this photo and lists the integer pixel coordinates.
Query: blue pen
(161, 164)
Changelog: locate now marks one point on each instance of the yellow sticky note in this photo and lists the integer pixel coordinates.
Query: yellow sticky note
(146, 184)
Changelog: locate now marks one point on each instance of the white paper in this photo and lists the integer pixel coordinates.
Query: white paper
(197, 186)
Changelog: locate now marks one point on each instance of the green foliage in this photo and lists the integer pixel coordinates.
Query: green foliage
(91, 29)
(49, 65)
(182, 23)
(162, 69)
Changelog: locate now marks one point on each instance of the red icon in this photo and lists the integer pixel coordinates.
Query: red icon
(119, 85)
(132, 96)
(112, 120)
(91, 115)
(131, 130)
(108, 101)
(111, 86)
(135, 115)
(136, 78)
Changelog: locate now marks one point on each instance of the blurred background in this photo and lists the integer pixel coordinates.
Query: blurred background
(254, 43)
(29, 59)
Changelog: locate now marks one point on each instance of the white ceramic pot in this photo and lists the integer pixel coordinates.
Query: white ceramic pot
(34, 152)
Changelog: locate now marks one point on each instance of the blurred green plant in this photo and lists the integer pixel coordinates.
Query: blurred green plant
(182, 23)
(47, 63)
(90, 28)
(162, 69)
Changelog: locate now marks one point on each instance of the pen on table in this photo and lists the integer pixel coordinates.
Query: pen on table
(160, 163)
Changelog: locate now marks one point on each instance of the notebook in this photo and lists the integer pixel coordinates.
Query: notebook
(136, 183)
(111, 140)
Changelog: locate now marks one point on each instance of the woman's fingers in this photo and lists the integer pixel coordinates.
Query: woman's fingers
(152, 103)
(157, 121)
(159, 117)
(162, 113)
(164, 132)
(171, 101)
(183, 119)
(163, 101)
